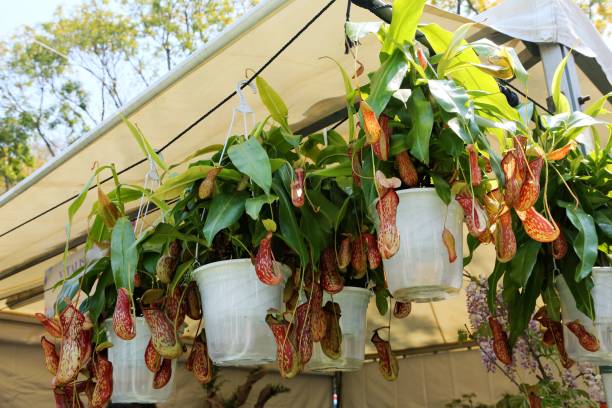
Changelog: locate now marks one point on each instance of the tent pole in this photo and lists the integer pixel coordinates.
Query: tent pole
(336, 401)
(606, 378)
(552, 54)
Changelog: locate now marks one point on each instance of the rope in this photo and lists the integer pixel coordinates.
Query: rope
(192, 125)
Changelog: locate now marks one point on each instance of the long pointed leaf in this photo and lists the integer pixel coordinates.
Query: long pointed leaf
(124, 254)
(225, 209)
(251, 159)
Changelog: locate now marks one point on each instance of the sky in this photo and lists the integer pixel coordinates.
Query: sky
(16, 13)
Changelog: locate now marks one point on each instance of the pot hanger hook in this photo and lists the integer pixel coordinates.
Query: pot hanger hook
(243, 106)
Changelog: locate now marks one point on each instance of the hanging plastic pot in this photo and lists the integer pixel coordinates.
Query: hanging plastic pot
(353, 307)
(132, 380)
(421, 271)
(235, 303)
(600, 329)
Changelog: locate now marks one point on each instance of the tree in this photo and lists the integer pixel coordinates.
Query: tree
(36, 87)
(65, 76)
(15, 155)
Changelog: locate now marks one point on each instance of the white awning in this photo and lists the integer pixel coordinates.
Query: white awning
(550, 21)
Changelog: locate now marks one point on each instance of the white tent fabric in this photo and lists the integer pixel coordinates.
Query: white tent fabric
(550, 21)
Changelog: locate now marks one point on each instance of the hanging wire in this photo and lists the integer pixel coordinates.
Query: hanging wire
(245, 109)
(143, 206)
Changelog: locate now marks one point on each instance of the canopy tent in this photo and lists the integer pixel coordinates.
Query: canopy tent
(552, 21)
(191, 107)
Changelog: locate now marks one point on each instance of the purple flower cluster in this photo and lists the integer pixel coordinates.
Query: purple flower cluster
(592, 380)
(527, 349)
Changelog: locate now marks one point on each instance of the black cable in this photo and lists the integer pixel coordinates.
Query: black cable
(508, 84)
(191, 126)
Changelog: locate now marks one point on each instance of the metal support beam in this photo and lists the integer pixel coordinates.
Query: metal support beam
(426, 350)
(552, 54)
(26, 297)
(381, 9)
(336, 401)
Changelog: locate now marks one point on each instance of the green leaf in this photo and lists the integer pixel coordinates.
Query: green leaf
(124, 254)
(452, 49)
(382, 301)
(98, 299)
(386, 81)
(342, 213)
(518, 69)
(404, 21)
(350, 98)
(200, 152)
(451, 97)
(339, 170)
(442, 188)
(421, 112)
(273, 102)
(144, 144)
(473, 243)
(318, 232)
(471, 78)
(552, 301)
(181, 270)
(165, 233)
(293, 140)
(174, 186)
(498, 271)
(225, 210)
(560, 101)
(130, 192)
(522, 306)
(251, 159)
(289, 227)
(522, 264)
(581, 291)
(253, 205)
(597, 108)
(74, 207)
(585, 243)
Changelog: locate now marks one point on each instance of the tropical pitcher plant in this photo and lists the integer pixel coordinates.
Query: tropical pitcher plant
(426, 118)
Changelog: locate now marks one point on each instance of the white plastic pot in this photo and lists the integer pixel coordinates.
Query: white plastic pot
(235, 303)
(132, 380)
(420, 270)
(353, 307)
(601, 327)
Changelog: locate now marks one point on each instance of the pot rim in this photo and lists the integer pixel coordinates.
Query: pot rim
(110, 319)
(206, 267)
(415, 190)
(353, 289)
